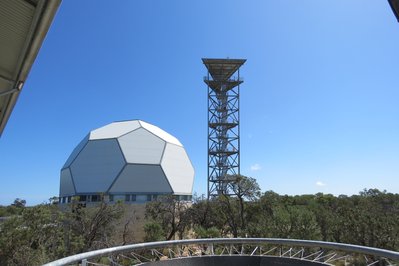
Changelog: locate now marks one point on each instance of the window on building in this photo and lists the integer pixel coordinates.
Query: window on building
(149, 197)
(127, 197)
(133, 197)
(95, 198)
(69, 199)
(82, 198)
(111, 197)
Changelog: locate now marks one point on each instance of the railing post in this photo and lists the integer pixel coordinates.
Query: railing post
(84, 262)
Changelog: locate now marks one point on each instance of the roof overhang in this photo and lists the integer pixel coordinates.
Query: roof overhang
(222, 69)
(23, 27)
(395, 7)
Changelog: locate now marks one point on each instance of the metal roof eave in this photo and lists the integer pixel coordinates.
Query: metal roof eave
(395, 7)
(43, 17)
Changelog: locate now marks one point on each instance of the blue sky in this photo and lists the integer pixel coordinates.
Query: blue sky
(319, 105)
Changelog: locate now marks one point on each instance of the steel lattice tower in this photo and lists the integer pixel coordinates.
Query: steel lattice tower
(223, 124)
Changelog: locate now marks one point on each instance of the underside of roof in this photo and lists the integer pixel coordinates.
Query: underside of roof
(23, 27)
(395, 7)
(222, 69)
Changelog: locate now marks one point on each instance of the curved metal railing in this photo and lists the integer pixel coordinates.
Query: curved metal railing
(328, 253)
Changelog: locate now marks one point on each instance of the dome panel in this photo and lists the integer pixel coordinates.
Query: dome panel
(141, 179)
(141, 146)
(114, 130)
(178, 169)
(76, 151)
(97, 165)
(66, 185)
(160, 133)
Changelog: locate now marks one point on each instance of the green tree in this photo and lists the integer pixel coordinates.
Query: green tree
(153, 232)
(245, 188)
(94, 224)
(171, 213)
(20, 203)
(32, 238)
(202, 232)
(324, 207)
(233, 209)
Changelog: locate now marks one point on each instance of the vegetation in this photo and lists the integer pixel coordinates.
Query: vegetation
(171, 214)
(369, 219)
(35, 235)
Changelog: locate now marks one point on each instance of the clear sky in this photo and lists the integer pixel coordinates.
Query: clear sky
(319, 104)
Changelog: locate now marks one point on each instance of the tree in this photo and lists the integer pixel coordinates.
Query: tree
(324, 208)
(54, 200)
(20, 203)
(204, 213)
(153, 232)
(170, 213)
(32, 238)
(94, 224)
(202, 232)
(245, 189)
(295, 222)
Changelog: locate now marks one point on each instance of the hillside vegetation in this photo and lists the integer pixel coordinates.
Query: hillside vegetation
(35, 235)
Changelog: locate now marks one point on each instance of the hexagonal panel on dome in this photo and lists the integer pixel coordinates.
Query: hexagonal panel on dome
(178, 169)
(142, 146)
(141, 179)
(76, 151)
(160, 133)
(97, 165)
(114, 130)
(66, 185)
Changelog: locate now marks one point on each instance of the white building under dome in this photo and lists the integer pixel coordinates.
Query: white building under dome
(132, 161)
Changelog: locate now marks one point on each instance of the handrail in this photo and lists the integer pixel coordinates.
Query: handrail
(276, 241)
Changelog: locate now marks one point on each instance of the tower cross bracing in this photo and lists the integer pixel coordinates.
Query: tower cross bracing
(223, 81)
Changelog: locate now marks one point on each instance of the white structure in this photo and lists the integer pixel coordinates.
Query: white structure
(128, 160)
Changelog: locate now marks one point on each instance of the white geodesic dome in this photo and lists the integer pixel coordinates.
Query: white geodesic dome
(128, 157)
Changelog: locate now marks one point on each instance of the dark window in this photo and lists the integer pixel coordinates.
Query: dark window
(133, 197)
(63, 199)
(95, 198)
(111, 197)
(69, 199)
(127, 197)
(83, 198)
